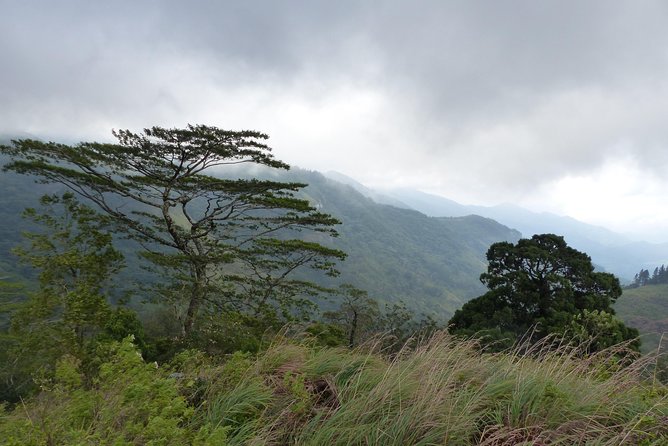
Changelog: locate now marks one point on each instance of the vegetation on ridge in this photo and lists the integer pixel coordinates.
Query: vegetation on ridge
(643, 277)
(432, 264)
(443, 392)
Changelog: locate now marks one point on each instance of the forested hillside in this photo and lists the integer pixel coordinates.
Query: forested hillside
(17, 193)
(432, 264)
(643, 277)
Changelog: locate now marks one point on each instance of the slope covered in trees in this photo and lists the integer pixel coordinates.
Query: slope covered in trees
(222, 252)
(222, 245)
(644, 277)
(395, 254)
(432, 264)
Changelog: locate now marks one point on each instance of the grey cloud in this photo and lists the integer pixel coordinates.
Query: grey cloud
(522, 89)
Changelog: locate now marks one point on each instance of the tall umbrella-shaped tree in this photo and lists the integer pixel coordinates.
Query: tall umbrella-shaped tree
(158, 186)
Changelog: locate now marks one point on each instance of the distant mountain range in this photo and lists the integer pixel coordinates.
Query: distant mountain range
(609, 250)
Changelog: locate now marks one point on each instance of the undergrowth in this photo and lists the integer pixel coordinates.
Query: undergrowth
(445, 391)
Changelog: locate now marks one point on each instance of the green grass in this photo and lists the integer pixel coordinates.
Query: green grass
(443, 392)
(646, 308)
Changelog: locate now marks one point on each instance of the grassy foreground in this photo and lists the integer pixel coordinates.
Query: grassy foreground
(443, 392)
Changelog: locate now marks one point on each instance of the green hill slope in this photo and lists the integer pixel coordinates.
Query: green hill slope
(646, 308)
(433, 264)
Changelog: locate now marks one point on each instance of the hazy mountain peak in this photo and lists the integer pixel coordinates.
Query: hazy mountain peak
(610, 250)
(378, 197)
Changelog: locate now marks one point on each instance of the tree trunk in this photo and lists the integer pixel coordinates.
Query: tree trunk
(196, 298)
(353, 330)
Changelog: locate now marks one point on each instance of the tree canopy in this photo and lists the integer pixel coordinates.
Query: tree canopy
(225, 242)
(543, 285)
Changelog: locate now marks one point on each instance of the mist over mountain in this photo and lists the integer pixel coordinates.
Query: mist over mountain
(221, 297)
(376, 196)
(609, 250)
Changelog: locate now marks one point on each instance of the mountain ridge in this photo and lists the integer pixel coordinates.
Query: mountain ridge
(609, 250)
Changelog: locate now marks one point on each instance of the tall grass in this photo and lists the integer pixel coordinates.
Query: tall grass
(444, 391)
(447, 392)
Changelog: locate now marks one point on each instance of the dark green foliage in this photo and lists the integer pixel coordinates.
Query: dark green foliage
(212, 237)
(75, 260)
(541, 286)
(121, 323)
(328, 335)
(490, 319)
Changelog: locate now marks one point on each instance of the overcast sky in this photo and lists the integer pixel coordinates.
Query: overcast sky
(554, 105)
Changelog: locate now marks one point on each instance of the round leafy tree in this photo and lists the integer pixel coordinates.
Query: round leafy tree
(537, 287)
